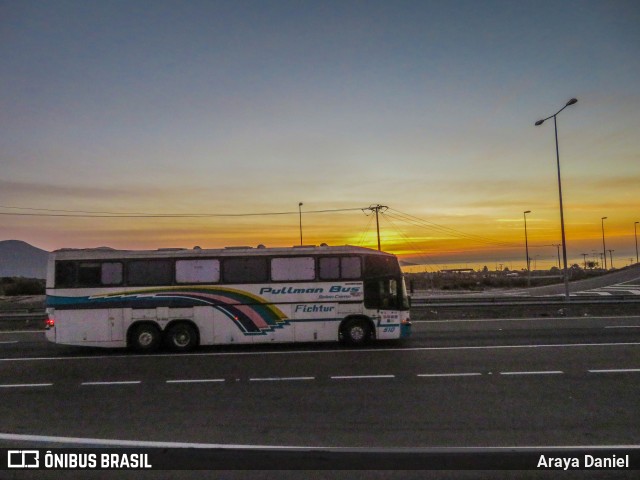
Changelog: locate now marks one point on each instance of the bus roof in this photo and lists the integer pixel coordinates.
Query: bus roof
(109, 253)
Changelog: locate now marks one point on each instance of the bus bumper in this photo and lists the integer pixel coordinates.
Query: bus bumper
(405, 329)
(50, 334)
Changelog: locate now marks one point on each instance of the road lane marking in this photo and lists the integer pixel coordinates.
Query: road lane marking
(173, 356)
(125, 382)
(8, 341)
(358, 377)
(333, 377)
(616, 370)
(281, 379)
(200, 380)
(622, 326)
(27, 385)
(544, 372)
(517, 319)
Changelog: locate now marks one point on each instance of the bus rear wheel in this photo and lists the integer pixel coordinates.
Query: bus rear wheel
(145, 338)
(181, 337)
(356, 332)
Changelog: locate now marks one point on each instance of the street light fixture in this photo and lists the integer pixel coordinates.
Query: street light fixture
(604, 247)
(573, 101)
(526, 246)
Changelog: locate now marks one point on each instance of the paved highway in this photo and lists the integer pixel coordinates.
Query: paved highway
(552, 381)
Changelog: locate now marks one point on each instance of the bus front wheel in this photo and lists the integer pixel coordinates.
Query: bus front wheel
(356, 332)
(145, 338)
(181, 337)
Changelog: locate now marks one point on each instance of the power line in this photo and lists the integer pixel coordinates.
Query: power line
(424, 258)
(416, 221)
(365, 231)
(97, 214)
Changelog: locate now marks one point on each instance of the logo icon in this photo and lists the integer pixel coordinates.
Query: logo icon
(23, 459)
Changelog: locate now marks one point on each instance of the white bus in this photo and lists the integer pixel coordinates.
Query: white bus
(182, 298)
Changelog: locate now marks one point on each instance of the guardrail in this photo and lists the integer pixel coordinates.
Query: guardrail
(524, 301)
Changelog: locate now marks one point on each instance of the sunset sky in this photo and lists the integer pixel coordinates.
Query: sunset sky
(187, 108)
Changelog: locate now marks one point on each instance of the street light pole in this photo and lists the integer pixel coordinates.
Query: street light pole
(526, 246)
(300, 214)
(584, 257)
(604, 247)
(573, 101)
(557, 245)
(635, 232)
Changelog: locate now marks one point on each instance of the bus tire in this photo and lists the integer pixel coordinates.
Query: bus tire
(145, 338)
(181, 337)
(356, 331)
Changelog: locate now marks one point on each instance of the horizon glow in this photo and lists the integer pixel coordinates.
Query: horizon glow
(251, 106)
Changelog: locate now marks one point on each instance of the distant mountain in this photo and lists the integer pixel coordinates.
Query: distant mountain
(19, 259)
(404, 263)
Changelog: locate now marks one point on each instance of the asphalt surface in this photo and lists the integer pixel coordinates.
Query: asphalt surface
(467, 383)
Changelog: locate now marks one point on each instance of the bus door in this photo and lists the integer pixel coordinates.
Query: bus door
(384, 295)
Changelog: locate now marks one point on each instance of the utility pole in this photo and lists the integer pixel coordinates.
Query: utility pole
(611, 256)
(377, 208)
(584, 257)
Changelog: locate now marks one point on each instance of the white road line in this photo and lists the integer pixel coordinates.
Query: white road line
(622, 326)
(131, 382)
(358, 377)
(27, 385)
(547, 372)
(140, 443)
(173, 356)
(9, 341)
(471, 374)
(526, 319)
(15, 437)
(616, 370)
(198, 380)
(281, 379)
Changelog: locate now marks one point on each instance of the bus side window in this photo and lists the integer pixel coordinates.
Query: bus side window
(198, 271)
(351, 268)
(285, 269)
(111, 273)
(89, 274)
(150, 272)
(329, 268)
(245, 270)
(392, 293)
(65, 274)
